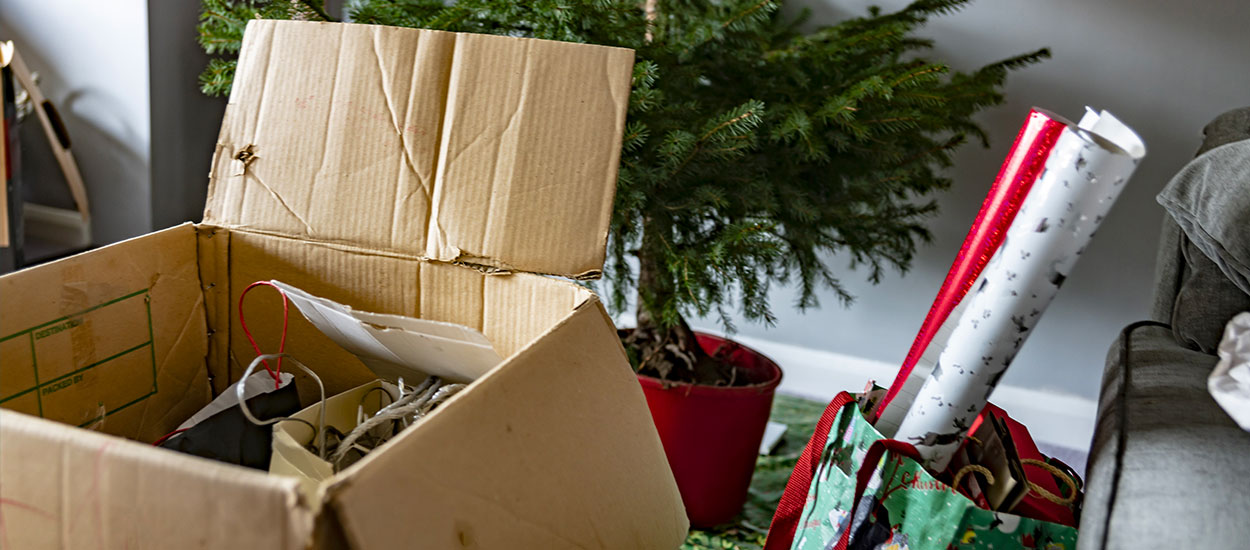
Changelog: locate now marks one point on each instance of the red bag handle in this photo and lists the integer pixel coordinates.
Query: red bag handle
(866, 468)
(786, 520)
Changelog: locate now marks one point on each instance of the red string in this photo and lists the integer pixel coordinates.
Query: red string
(277, 380)
(167, 436)
(281, 343)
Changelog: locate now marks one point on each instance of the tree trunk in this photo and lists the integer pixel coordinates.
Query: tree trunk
(670, 353)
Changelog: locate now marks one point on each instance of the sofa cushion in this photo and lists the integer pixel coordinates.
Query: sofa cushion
(1210, 200)
(1182, 479)
(1230, 126)
(1205, 301)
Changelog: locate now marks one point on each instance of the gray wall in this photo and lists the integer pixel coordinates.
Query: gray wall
(123, 75)
(1164, 67)
(92, 59)
(185, 122)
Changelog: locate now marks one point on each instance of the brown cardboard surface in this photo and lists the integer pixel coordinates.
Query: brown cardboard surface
(319, 108)
(576, 366)
(511, 310)
(123, 353)
(62, 487)
(585, 453)
(343, 195)
(213, 254)
(524, 179)
(424, 143)
(561, 454)
(346, 277)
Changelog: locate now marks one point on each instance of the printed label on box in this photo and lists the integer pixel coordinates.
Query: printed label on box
(52, 369)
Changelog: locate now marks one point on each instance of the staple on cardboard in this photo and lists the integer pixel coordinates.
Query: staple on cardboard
(246, 155)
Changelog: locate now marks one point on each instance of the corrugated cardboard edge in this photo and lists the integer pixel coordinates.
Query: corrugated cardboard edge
(213, 252)
(72, 488)
(6, 50)
(453, 486)
(510, 192)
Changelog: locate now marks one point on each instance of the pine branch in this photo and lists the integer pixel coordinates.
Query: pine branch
(318, 9)
(753, 151)
(749, 12)
(738, 122)
(217, 77)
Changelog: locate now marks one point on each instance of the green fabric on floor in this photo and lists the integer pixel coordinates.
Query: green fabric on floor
(771, 472)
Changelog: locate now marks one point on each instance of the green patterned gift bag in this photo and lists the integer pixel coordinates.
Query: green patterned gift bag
(854, 476)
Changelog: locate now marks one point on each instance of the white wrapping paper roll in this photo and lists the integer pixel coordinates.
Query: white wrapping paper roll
(1084, 173)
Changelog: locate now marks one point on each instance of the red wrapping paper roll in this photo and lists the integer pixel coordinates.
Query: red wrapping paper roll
(1024, 164)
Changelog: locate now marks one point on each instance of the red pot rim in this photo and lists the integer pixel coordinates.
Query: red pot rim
(699, 389)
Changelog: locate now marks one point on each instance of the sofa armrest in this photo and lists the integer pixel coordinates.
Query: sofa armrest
(1167, 468)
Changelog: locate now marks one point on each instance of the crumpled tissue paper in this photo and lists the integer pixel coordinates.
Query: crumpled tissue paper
(1229, 382)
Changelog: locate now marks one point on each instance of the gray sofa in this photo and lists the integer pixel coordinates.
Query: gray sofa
(1168, 468)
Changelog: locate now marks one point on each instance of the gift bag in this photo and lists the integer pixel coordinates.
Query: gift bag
(854, 489)
(851, 487)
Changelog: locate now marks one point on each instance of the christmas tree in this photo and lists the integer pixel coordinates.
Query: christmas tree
(754, 149)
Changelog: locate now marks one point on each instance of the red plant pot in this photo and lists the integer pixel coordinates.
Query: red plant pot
(712, 434)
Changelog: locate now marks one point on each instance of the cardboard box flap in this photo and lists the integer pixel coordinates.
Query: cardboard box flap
(457, 147)
(71, 488)
(561, 453)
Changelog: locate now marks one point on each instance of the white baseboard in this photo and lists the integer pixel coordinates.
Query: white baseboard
(1052, 418)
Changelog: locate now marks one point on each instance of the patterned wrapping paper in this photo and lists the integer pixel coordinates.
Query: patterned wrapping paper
(1024, 163)
(1085, 172)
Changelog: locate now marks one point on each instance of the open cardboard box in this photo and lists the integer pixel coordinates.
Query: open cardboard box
(420, 173)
